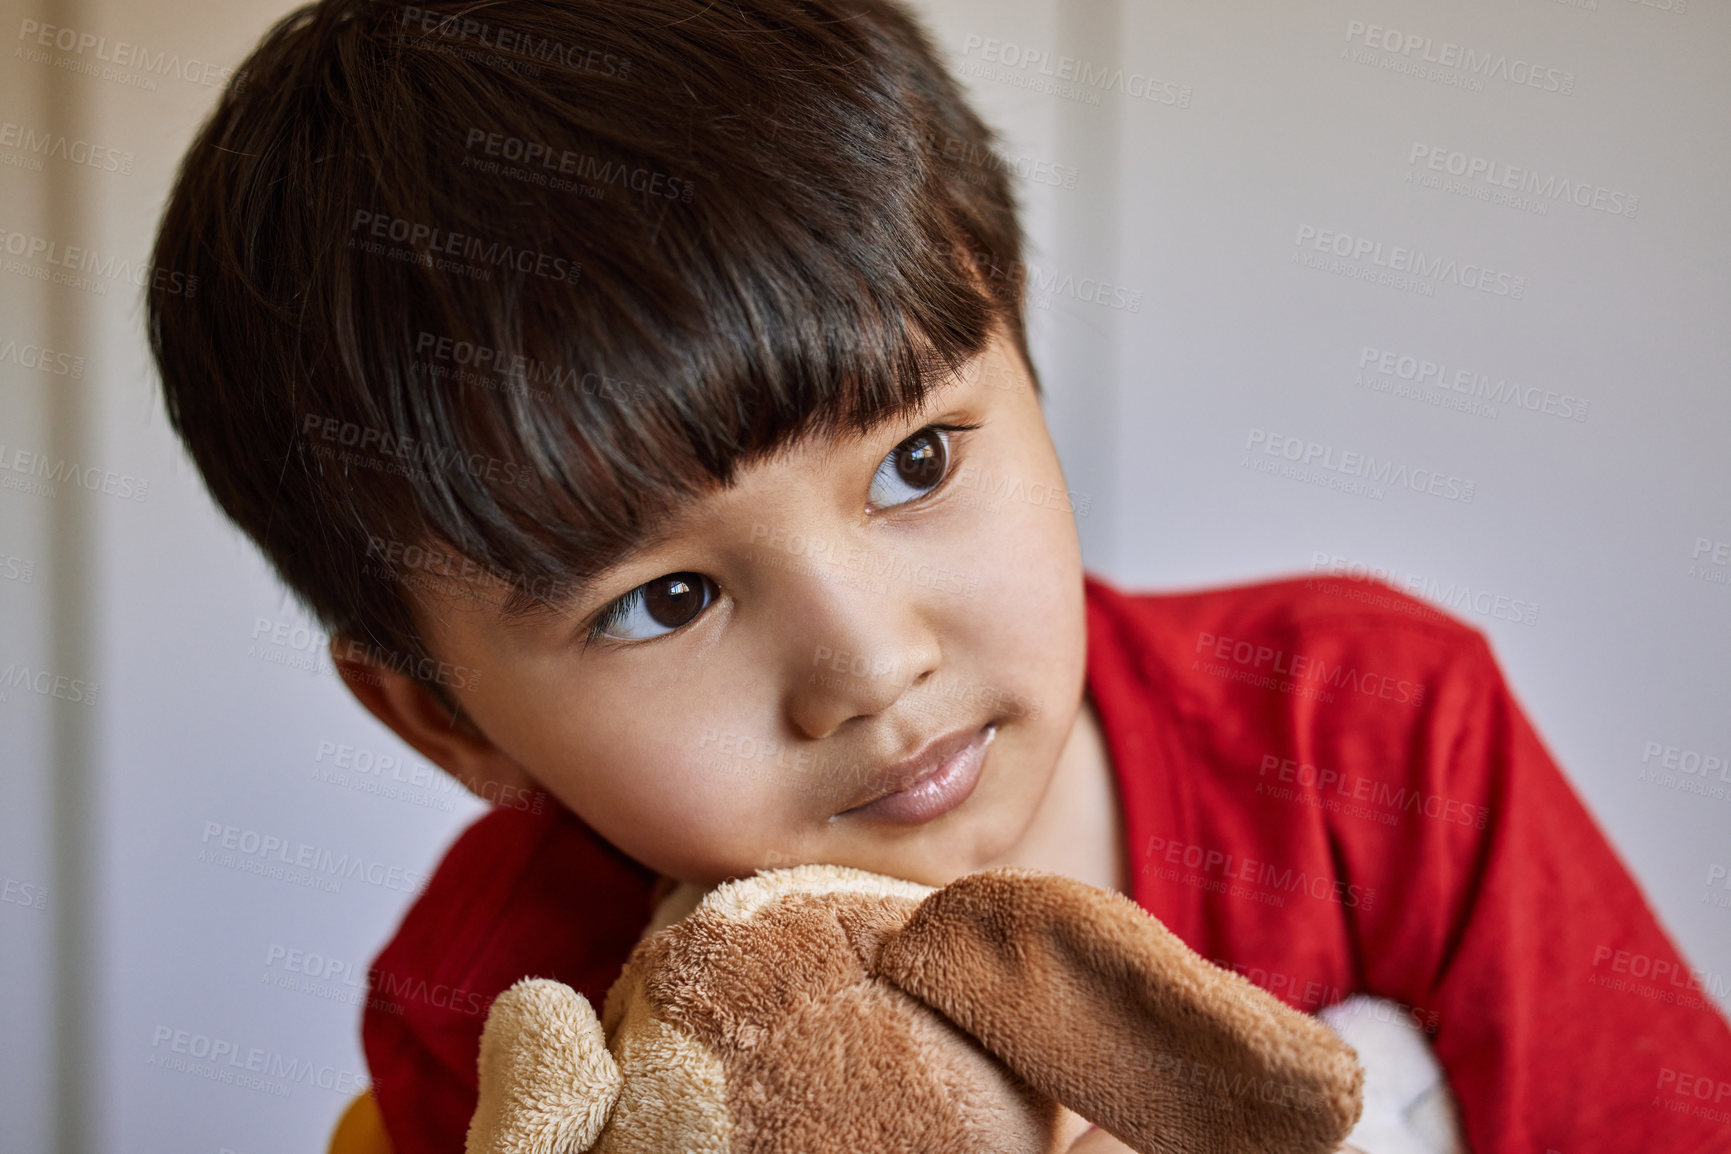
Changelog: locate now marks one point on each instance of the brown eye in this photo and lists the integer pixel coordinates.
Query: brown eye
(657, 607)
(912, 469)
(674, 600)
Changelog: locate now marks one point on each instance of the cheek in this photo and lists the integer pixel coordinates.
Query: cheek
(1026, 520)
(1036, 636)
(690, 790)
(1026, 555)
(1025, 620)
(1020, 639)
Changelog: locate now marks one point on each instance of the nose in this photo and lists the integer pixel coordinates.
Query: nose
(851, 652)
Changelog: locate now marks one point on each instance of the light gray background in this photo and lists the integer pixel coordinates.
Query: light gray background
(1193, 208)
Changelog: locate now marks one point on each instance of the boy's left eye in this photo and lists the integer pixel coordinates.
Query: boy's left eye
(913, 468)
(656, 607)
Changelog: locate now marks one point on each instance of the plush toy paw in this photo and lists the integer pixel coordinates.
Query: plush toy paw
(544, 1047)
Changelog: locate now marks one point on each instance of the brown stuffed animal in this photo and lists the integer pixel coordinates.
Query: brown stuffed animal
(824, 1009)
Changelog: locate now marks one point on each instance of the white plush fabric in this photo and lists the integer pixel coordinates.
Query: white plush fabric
(1408, 1106)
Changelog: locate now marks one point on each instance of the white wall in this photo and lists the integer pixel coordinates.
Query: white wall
(195, 723)
(1587, 551)
(32, 905)
(1191, 207)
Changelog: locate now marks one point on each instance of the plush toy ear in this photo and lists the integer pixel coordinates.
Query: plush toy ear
(1095, 1003)
(547, 1080)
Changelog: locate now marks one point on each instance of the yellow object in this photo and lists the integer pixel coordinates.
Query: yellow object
(361, 1129)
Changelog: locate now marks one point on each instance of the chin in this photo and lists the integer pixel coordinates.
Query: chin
(976, 845)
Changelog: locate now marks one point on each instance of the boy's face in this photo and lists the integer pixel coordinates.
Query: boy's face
(839, 608)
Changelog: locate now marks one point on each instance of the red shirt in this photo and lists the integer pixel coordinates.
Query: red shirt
(1327, 786)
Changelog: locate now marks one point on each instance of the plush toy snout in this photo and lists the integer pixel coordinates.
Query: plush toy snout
(826, 1009)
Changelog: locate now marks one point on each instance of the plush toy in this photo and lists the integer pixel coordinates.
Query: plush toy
(826, 1010)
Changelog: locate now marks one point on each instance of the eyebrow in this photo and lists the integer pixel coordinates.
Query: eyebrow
(523, 608)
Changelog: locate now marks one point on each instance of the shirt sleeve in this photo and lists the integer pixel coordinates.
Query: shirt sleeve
(1510, 925)
(425, 1104)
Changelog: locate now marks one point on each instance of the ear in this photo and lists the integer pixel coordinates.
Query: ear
(548, 1083)
(1095, 1003)
(443, 735)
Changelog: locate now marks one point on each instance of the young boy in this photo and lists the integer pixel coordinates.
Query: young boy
(638, 391)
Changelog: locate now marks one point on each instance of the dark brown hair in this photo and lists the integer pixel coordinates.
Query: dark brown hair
(494, 286)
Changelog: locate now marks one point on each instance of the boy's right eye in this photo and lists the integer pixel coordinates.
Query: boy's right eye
(656, 607)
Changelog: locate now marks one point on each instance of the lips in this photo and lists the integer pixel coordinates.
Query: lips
(928, 783)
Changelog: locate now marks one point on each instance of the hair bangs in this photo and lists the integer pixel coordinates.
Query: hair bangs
(504, 285)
